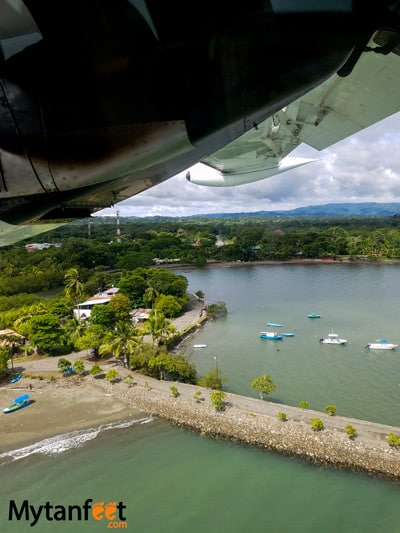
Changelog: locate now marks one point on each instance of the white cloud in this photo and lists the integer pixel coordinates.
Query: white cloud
(362, 168)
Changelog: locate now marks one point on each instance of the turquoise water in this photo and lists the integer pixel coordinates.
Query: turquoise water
(173, 480)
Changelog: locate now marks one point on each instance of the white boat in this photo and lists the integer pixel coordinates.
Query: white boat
(199, 345)
(381, 346)
(332, 338)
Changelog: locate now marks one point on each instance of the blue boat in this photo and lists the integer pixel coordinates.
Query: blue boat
(274, 325)
(16, 378)
(18, 403)
(270, 335)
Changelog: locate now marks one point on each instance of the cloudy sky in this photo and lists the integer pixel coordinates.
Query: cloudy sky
(362, 168)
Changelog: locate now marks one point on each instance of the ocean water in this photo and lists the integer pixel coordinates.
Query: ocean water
(163, 478)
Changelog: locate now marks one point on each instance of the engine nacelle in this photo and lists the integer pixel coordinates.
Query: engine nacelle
(208, 176)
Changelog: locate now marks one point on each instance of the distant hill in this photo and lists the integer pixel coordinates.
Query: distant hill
(369, 209)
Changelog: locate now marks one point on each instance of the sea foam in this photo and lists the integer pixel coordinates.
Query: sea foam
(67, 441)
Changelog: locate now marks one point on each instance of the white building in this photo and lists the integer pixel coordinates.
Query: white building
(83, 310)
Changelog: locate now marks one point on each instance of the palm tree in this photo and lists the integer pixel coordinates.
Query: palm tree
(150, 295)
(159, 326)
(73, 286)
(126, 339)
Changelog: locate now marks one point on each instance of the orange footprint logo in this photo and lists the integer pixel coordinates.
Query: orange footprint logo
(110, 510)
(98, 510)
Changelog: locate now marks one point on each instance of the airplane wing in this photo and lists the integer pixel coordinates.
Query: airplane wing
(332, 111)
(102, 100)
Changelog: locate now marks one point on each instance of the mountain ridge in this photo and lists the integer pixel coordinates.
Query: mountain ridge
(366, 209)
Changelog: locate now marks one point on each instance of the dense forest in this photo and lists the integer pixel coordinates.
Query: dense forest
(42, 281)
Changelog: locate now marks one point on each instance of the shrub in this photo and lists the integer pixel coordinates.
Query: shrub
(394, 440)
(330, 409)
(351, 431)
(197, 395)
(217, 398)
(174, 390)
(316, 424)
(303, 404)
(282, 416)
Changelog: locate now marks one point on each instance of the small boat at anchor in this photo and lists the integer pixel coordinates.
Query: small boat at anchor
(274, 325)
(313, 315)
(381, 345)
(270, 335)
(199, 345)
(332, 338)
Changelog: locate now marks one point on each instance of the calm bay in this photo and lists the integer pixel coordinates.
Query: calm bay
(174, 480)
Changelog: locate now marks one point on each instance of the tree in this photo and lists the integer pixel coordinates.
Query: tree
(330, 409)
(124, 341)
(351, 431)
(213, 380)
(93, 337)
(158, 326)
(263, 384)
(150, 295)
(217, 398)
(216, 310)
(78, 366)
(45, 332)
(63, 364)
(112, 375)
(103, 315)
(96, 370)
(4, 356)
(172, 367)
(168, 305)
(121, 307)
(73, 286)
(316, 424)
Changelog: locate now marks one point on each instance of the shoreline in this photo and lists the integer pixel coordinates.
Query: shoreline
(70, 404)
(63, 405)
(268, 262)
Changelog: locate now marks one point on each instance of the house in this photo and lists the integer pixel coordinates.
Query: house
(83, 310)
(140, 314)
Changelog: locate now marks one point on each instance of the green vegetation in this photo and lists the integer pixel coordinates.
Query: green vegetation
(174, 391)
(217, 398)
(213, 380)
(263, 384)
(282, 416)
(95, 370)
(197, 396)
(64, 365)
(316, 424)
(351, 431)
(394, 440)
(303, 404)
(330, 409)
(112, 375)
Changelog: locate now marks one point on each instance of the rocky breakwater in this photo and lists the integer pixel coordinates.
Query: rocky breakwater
(255, 423)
